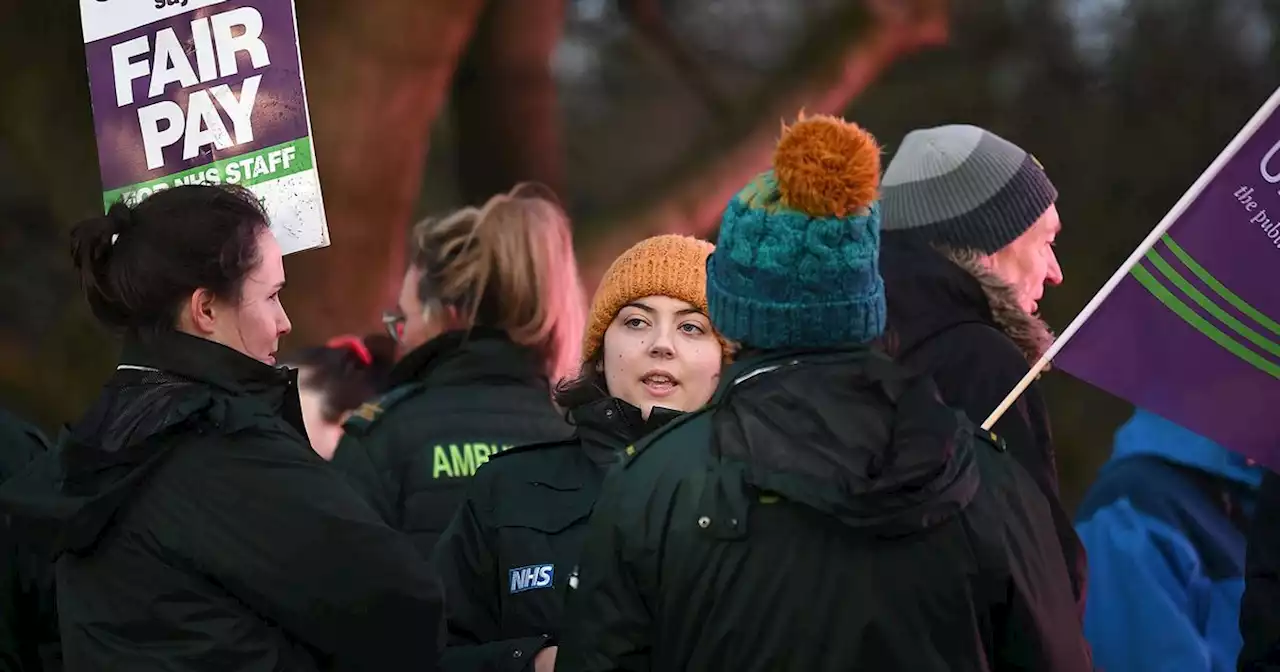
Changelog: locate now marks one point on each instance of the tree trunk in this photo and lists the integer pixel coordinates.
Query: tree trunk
(379, 73)
(694, 202)
(505, 100)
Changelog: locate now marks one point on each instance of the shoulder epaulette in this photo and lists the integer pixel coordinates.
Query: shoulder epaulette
(995, 440)
(368, 413)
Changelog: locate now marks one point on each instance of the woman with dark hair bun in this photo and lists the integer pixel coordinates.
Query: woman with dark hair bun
(193, 526)
(335, 379)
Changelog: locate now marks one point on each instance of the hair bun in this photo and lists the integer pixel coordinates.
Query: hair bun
(120, 220)
(92, 242)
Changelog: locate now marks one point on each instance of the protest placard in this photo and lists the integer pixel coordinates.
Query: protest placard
(204, 91)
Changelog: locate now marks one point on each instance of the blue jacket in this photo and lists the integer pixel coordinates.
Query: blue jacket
(1163, 530)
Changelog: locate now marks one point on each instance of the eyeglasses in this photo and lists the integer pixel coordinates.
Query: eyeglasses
(394, 324)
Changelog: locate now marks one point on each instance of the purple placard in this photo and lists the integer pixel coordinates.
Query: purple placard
(279, 114)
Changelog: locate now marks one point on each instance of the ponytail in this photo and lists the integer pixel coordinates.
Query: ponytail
(92, 245)
(509, 265)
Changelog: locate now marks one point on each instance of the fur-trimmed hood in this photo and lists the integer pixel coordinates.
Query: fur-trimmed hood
(1030, 333)
(933, 290)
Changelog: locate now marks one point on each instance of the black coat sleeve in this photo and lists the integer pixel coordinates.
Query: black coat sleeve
(467, 562)
(977, 370)
(28, 617)
(1260, 606)
(14, 610)
(283, 532)
(29, 638)
(1036, 626)
(608, 622)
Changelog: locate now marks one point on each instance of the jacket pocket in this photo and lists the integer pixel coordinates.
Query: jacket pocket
(540, 530)
(543, 508)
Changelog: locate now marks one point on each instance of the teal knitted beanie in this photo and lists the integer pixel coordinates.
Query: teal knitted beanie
(796, 263)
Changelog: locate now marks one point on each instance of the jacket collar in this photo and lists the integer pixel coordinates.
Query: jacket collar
(475, 355)
(202, 361)
(929, 292)
(1030, 333)
(753, 363)
(609, 425)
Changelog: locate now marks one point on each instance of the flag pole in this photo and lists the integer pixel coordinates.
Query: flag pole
(1177, 211)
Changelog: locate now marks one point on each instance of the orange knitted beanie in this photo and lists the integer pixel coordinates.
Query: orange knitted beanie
(669, 265)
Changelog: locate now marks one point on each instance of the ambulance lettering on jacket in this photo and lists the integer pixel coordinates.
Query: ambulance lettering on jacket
(531, 577)
(454, 461)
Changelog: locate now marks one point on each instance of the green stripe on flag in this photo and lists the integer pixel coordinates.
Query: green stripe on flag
(1213, 283)
(1191, 317)
(1206, 303)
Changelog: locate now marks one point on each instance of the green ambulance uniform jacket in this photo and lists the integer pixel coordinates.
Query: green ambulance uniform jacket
(825, 513)
(454, 403)
(511, 550)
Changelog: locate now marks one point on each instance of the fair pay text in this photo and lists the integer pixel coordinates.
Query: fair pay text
(215, 42)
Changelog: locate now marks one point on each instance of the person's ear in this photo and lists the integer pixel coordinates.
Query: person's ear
(202, 312)
(452, 318)
(989, 261)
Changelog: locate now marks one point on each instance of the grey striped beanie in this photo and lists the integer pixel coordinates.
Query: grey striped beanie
(964, 187)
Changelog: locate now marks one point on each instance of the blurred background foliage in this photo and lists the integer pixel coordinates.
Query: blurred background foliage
(646, 115)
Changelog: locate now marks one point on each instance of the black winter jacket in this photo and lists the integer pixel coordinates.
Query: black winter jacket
(20, 443)
(454, 402)
(28, 617)
(824, 513)
(195, 529)
(943, 323)
(514, 544)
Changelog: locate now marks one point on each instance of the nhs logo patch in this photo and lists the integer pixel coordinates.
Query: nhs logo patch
(531, 577)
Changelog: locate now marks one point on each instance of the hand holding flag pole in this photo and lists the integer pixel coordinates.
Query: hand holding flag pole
(1180, 208)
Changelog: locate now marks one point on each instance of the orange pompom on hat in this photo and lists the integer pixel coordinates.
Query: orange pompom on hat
(797, 260)
(669, 265)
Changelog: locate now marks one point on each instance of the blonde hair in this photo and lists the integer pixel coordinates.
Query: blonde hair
(508, 265)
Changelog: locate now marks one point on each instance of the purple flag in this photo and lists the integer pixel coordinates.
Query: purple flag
(1189, 328)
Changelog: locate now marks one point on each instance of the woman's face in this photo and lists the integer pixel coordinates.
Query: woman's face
(324, 435)
(660, 351)
(256, 324)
